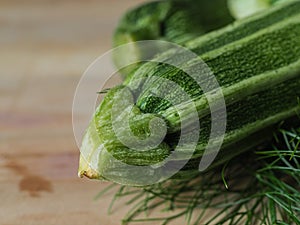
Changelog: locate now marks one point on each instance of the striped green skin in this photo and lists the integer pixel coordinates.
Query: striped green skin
(243, 28)
(260, 78)
(268, 50)
(176, 21)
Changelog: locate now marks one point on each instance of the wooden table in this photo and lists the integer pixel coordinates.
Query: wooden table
(45, 46)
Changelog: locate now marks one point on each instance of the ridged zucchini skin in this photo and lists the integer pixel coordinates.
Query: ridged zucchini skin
(176, 21)
(259, 74)
(243, 28)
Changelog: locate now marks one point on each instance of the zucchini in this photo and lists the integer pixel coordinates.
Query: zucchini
(259, 73)
(176, 21)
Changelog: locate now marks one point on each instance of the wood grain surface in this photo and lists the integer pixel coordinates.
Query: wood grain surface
(46, 45)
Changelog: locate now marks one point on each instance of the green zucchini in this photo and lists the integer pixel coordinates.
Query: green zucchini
(259, 73)
(176, 21)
